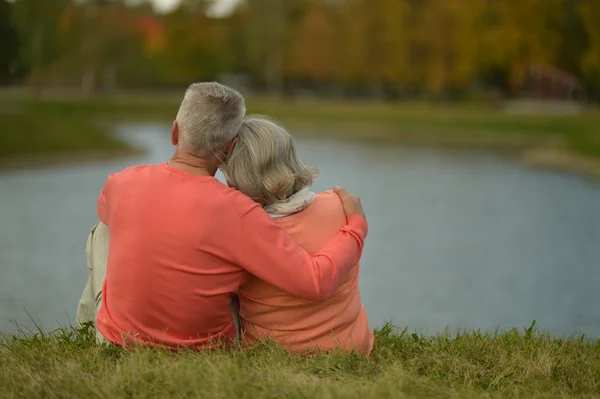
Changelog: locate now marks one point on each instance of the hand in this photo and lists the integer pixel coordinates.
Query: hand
(351, 203)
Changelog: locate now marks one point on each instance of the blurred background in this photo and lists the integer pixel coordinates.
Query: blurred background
(469, 128)
(384, 49)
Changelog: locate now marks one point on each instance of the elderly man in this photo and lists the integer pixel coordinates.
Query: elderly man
(181, 243)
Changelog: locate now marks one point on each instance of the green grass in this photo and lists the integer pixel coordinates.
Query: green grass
(45, 132)
(61, 128)
(452, 124)
(517, 363)
(66, 124)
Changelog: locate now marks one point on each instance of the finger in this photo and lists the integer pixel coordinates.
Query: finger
(342, 193)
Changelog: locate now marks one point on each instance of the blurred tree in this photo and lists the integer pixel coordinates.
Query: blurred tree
(356, 17)
(313, 48)
(196, 46)
(392, 42)
(9, 43)
(524, 32)
(375, 43)
(379, 47)
(468, 25)
(590, 63)
(97, 36)
(267, 35)
(36, 21)
(574, 38)
(446, 43)
(432, 36)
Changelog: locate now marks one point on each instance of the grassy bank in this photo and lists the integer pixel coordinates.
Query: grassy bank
(513, 364)
(65, 124)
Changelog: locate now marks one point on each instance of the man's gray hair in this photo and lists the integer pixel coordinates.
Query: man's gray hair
(264, 164)
(210, 115)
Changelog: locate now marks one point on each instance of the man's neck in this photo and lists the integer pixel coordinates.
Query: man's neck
(193, 164)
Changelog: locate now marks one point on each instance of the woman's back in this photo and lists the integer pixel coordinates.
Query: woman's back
(298, 324)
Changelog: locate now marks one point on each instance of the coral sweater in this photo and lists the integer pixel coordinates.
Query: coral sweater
(180, 245)
(297, 323)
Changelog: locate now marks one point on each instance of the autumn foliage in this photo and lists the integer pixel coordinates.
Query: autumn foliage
(376, 47)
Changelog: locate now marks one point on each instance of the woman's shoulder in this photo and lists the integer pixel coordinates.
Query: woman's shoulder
(330, 201)
(318, 223)
(329, 196)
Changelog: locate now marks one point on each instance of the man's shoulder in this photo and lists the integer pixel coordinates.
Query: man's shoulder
(131, 171)
(240, 202)
(137, 169)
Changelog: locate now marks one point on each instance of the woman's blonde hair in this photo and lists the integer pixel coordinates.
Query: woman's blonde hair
(263, 164)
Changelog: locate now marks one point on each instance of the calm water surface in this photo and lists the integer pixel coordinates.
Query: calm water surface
(458, 241)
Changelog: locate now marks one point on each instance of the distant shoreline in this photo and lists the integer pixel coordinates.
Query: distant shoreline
(555, 159)
(518, 148)
(75, 130)
(37, 162)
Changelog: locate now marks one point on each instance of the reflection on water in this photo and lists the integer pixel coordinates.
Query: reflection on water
(455, 240)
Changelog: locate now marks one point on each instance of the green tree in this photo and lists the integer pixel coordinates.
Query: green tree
(9, 42)
(96, 38)
(197, 46)
(574, 38)
(267, 35)
(36, 21)
(590, 63)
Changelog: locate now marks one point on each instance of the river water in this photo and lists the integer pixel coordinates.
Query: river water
(465, 240)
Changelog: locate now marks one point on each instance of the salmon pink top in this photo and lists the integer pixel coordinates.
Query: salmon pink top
(180, 245)
(297, 323)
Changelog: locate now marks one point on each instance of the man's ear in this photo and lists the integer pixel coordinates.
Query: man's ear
(175, 133)
(231, 146)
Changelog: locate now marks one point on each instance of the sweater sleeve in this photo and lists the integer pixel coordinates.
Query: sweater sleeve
(271, 254)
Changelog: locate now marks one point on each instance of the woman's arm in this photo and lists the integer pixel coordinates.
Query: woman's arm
(271, 254)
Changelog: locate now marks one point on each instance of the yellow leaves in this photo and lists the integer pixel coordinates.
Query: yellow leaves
(375, 41)
(313, 51)
(393, 34)
(524, 31)
(65, 19)
(406, 44)
(154, 39)
(154, 43)
(530, 31)
(446, 34)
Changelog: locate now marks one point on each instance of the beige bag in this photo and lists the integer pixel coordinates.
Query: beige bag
(96, 251)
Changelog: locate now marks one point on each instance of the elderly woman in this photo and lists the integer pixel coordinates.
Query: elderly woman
(264, 166)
